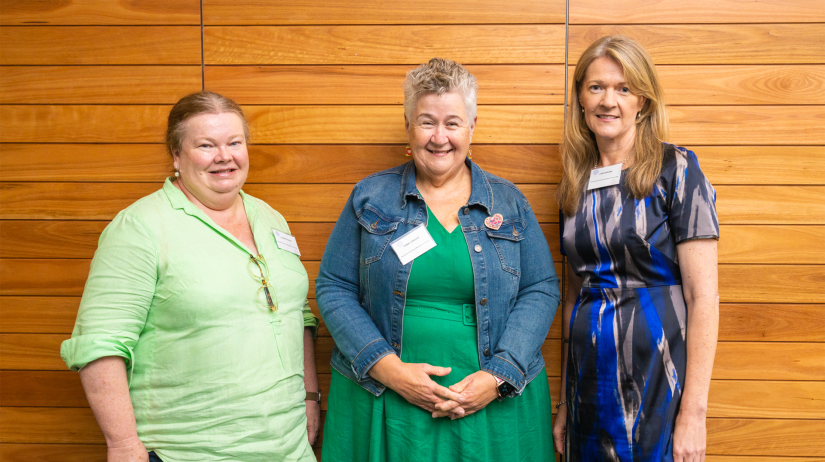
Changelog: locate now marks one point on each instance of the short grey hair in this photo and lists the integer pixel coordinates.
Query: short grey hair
(440, 76)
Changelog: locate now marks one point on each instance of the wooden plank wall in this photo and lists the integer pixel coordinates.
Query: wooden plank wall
(85, 87)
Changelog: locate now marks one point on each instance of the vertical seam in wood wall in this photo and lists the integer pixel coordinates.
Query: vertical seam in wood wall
(203, 61)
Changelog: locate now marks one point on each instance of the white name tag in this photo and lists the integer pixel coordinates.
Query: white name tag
(606, 176)
(286, 242)
(413, 244)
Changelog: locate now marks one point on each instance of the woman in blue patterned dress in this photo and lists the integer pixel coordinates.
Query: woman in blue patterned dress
(642, 310)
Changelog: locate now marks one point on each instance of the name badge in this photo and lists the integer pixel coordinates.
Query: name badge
(413, 244)
(286, 242)
(606, 176)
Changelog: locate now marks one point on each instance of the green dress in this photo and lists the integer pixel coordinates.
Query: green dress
(439, 328)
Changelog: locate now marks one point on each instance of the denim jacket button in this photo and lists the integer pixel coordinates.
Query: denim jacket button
(486, 352)
(466, 210)
(477, 248)
(483, 301)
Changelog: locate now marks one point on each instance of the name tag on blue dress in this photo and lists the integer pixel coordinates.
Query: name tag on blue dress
(605, 176)
(413, 244)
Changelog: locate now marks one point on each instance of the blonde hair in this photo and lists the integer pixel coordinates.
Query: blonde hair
(440, 76)
(579, 150)
(202, 102)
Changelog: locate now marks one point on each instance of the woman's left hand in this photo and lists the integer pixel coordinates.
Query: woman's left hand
(313, 421)
(478, 389)
(689, 438)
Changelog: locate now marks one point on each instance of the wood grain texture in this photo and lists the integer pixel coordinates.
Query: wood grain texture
(772, 437)
(498, 84)
(11, 452)
(714, 44)
(772, 284)
(747, 399)
(100, 45)
(42, 389)
(770, 323)
(325, 45)
(268, 163)
(770, 204)
(767, 244)
(98, 84)
(346, 124)
(769, 361)
(83, 124)
(49, 425)
(250, 12)
(753, 165)
(695, 11)
(37, 315)
(747, 125)
(43, 277)
(99, 12)
(33, 352)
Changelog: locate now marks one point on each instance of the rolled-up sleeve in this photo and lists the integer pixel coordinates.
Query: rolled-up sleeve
(117, 296)
(310, 320)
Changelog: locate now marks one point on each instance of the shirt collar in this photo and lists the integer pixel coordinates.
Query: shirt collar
(482, 193)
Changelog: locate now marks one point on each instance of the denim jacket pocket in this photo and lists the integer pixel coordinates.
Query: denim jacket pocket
(379, 230)
(507, 241)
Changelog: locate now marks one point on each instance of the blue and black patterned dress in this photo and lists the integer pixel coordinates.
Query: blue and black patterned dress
(627, 356)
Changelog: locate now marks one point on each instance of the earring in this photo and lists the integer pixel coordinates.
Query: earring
(638, 114)
(409, 151)
(470, 153)
(582, 110)
(177, 173)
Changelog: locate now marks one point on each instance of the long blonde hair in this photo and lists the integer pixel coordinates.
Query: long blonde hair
(579, 151)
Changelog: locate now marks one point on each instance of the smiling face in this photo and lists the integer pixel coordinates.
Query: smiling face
(439, 132)
(213, 161)
(609, 107)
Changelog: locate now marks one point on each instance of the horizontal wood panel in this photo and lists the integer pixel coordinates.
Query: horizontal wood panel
(768, 244)
(772, 284)
(251, 12)
(10, 452)
(747, 125)
(750, 398)
(720, 85)
(470, 44)
(345, 124)
(269, 124)
(296, 202)
(695, 11)
(42, 389)
(98, 84)
(769, 361)
(33, 314)
(83, 124)
(78, 239)
(792, 165)
(713, 44)
(770, 204)
(82, 45)
(766, 323)
(36, 352)
(49, 425)
(534, 163)
(499, 84)
(99, 12)
(766, 437)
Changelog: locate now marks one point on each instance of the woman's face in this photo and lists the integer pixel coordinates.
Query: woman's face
(213, 161)
(609, 107)
(439, 133)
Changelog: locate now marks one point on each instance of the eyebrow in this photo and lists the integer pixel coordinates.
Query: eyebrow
(451, 116)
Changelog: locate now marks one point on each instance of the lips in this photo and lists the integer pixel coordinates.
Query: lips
(439, 153)
(223, 172)
(607, 117)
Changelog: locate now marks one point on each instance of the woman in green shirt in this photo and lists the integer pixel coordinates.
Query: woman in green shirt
(194, 336)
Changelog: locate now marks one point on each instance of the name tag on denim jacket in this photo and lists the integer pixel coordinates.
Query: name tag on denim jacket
(606, 176)
(413, 244)
(286, 242)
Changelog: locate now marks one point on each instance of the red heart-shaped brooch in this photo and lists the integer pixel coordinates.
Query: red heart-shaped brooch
(494, 222)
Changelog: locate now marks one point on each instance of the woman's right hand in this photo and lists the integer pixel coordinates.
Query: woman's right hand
(412, 381)
(560, 429)
(129, 450)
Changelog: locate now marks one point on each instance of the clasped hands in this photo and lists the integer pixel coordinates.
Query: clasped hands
(412, 381)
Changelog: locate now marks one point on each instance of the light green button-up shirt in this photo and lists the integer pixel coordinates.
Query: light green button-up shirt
(213, 373)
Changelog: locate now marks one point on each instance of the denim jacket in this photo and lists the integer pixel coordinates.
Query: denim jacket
(361, 286)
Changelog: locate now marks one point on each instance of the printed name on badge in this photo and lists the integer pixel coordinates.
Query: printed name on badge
(286, 242)
(606, 176)
(413, 244)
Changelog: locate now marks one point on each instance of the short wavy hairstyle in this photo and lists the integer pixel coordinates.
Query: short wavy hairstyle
(440, 76)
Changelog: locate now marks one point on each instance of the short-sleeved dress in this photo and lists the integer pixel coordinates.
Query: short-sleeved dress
(627, 357)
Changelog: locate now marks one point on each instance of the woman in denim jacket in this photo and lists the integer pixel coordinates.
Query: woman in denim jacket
(462, 324)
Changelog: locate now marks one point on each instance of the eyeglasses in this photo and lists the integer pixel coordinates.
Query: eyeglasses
(260, 271)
